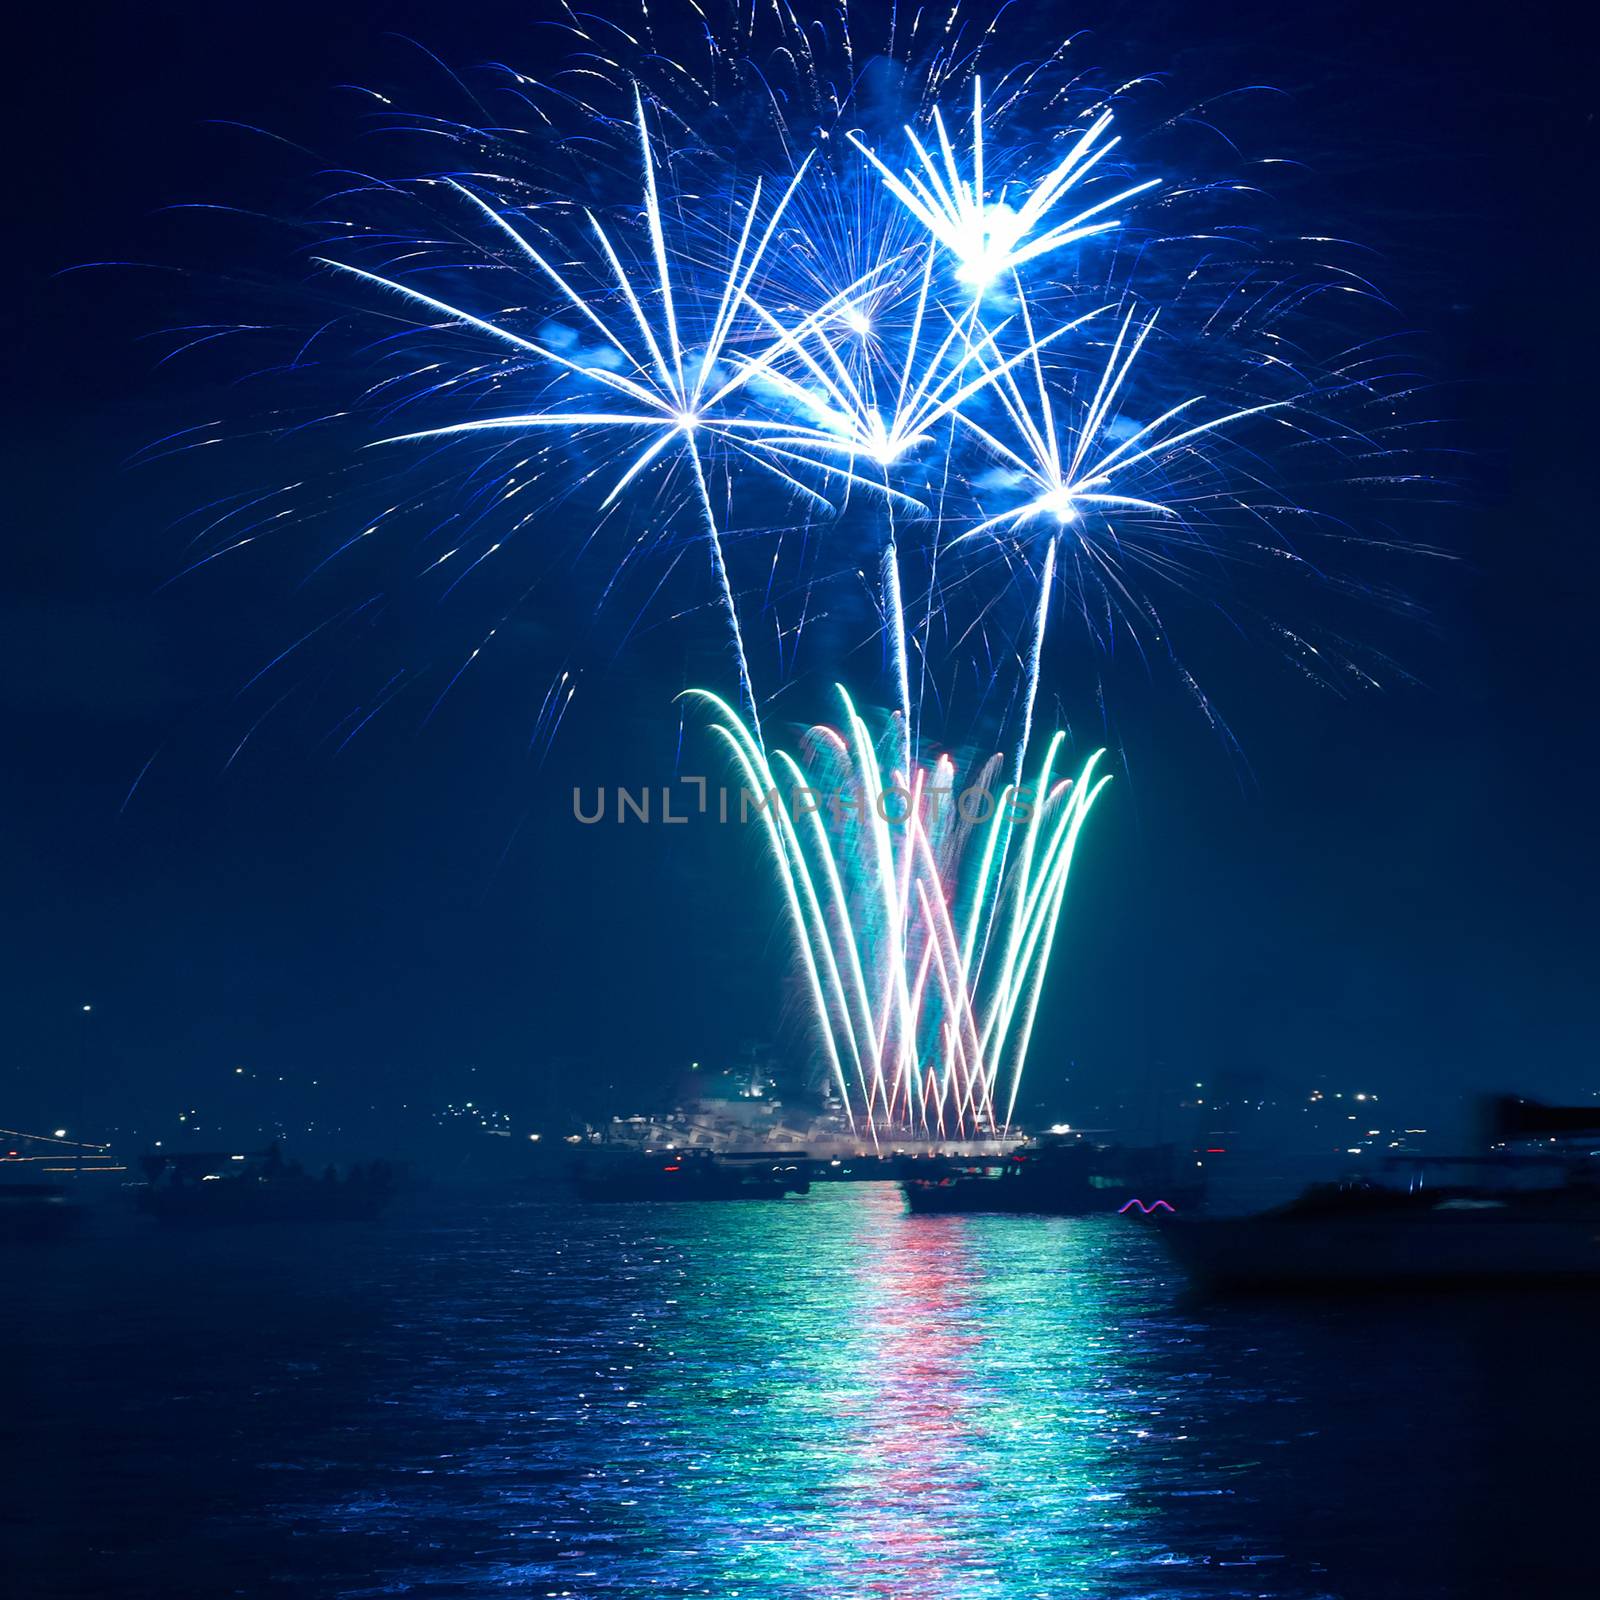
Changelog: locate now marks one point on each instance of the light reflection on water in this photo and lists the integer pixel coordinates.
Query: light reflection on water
(819, 1397)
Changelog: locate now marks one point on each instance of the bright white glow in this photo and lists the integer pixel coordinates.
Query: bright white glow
(1059, 504)
(991, 237)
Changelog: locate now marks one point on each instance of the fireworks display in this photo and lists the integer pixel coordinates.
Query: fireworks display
(823, 308)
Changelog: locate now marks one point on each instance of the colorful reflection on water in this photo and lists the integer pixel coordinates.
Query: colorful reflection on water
(919, 1407)
(815, 1398)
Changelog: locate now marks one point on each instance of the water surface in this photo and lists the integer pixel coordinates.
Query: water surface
(818, 1397)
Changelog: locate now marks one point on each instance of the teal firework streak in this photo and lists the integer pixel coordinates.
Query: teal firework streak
(923, 915)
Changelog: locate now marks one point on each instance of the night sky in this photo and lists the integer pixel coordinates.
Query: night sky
(1394, 889)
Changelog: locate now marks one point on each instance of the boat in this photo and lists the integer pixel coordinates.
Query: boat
(216, 1188)
(1506, 1217)
(31, 1212)
(1070, 1177)
(693, 1175)
(1372, 1235)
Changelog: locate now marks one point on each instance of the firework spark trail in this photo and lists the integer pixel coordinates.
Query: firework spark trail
(935, 1043)
(1036, 654)
(1079, 482)
(895, 607)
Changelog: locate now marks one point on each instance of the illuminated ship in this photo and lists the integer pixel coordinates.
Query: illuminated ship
(1525, 1216)
(692, 1175)
(1067, 1178)
(196, 1188)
